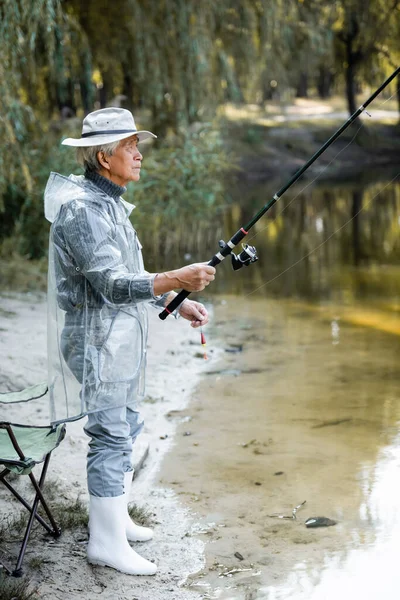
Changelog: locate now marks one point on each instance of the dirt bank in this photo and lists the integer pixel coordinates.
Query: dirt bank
(274, 142)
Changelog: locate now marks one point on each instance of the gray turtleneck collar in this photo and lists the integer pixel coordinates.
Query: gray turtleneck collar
(108, 187)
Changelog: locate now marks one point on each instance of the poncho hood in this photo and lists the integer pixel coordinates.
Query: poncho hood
(61, 189)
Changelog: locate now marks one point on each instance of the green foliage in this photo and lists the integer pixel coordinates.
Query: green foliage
(37, 562)
(253, 136)
(364, 41)
(141, 516)
(23, 228)
(181, 191)
(11, 526)
(17, 589)
(23, 26)
(24, 29)
(182, 179)
(19, 274)
(68, 515)
(62, 57)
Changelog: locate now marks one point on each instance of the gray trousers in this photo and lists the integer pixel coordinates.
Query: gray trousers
(112, 434)
(112, 431)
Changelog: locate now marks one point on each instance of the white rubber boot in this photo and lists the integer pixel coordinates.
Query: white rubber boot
(108, 546)
(134, 533)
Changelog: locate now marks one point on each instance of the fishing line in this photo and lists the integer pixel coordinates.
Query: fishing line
(322, 171)
(390, 97)
(325, 241)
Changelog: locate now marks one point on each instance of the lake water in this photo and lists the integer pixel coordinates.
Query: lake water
(304, 405)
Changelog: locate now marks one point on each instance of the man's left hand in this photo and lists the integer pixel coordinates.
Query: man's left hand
(195, 312)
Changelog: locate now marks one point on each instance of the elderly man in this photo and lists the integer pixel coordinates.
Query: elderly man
(97, 329)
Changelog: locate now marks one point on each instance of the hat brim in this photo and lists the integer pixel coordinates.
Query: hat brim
(99, 140)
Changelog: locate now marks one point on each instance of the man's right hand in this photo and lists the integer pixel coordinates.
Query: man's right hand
(193, 278)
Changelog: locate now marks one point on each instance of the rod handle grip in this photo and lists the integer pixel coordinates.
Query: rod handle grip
(183, 294)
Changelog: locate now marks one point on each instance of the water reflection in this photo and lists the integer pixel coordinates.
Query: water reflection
(317, 238)
(319, 242)
(370, 571)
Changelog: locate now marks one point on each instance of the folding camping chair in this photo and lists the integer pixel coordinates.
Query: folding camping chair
(21, 448)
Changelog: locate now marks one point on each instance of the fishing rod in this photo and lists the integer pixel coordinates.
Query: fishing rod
(248, 255)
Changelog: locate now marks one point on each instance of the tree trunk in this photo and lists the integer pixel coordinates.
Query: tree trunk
(350, 78)
(106, 92)
(398, 100)
(128, 88)
(163, 119)
(302, 86)
(353, 57)
(86, 85)
(355, 210)
(103, 94)
(324, 82)
(64, 89)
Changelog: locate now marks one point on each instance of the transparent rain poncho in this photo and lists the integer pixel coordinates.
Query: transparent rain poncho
(97, 295)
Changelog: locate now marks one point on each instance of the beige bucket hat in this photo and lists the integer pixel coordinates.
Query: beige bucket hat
(105, 126)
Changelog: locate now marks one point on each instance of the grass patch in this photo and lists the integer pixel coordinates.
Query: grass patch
(17, 589)
(19, 274)
(7, 313)
(11, 526)
(71, 515)
(140, 515)
(37, 563)
(52, 490)
(11, 476)
(68, 516)
(151, 400)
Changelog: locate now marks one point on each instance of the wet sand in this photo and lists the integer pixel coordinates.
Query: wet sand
(308, 410)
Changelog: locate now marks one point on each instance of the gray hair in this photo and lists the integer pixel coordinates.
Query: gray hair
(87, 155)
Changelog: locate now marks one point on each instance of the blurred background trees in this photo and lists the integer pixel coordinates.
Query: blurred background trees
(173, 62)
(181, 58)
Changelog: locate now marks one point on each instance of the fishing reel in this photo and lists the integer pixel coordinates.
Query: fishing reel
(246, 257)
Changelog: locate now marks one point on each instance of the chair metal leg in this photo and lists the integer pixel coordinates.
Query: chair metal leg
(17, 572)
(39, 496)
(25, 503)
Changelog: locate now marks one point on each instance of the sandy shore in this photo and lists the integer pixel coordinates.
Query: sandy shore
(174, 368)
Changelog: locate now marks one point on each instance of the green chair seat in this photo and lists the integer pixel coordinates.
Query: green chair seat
(36, 443)
(30, 393)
